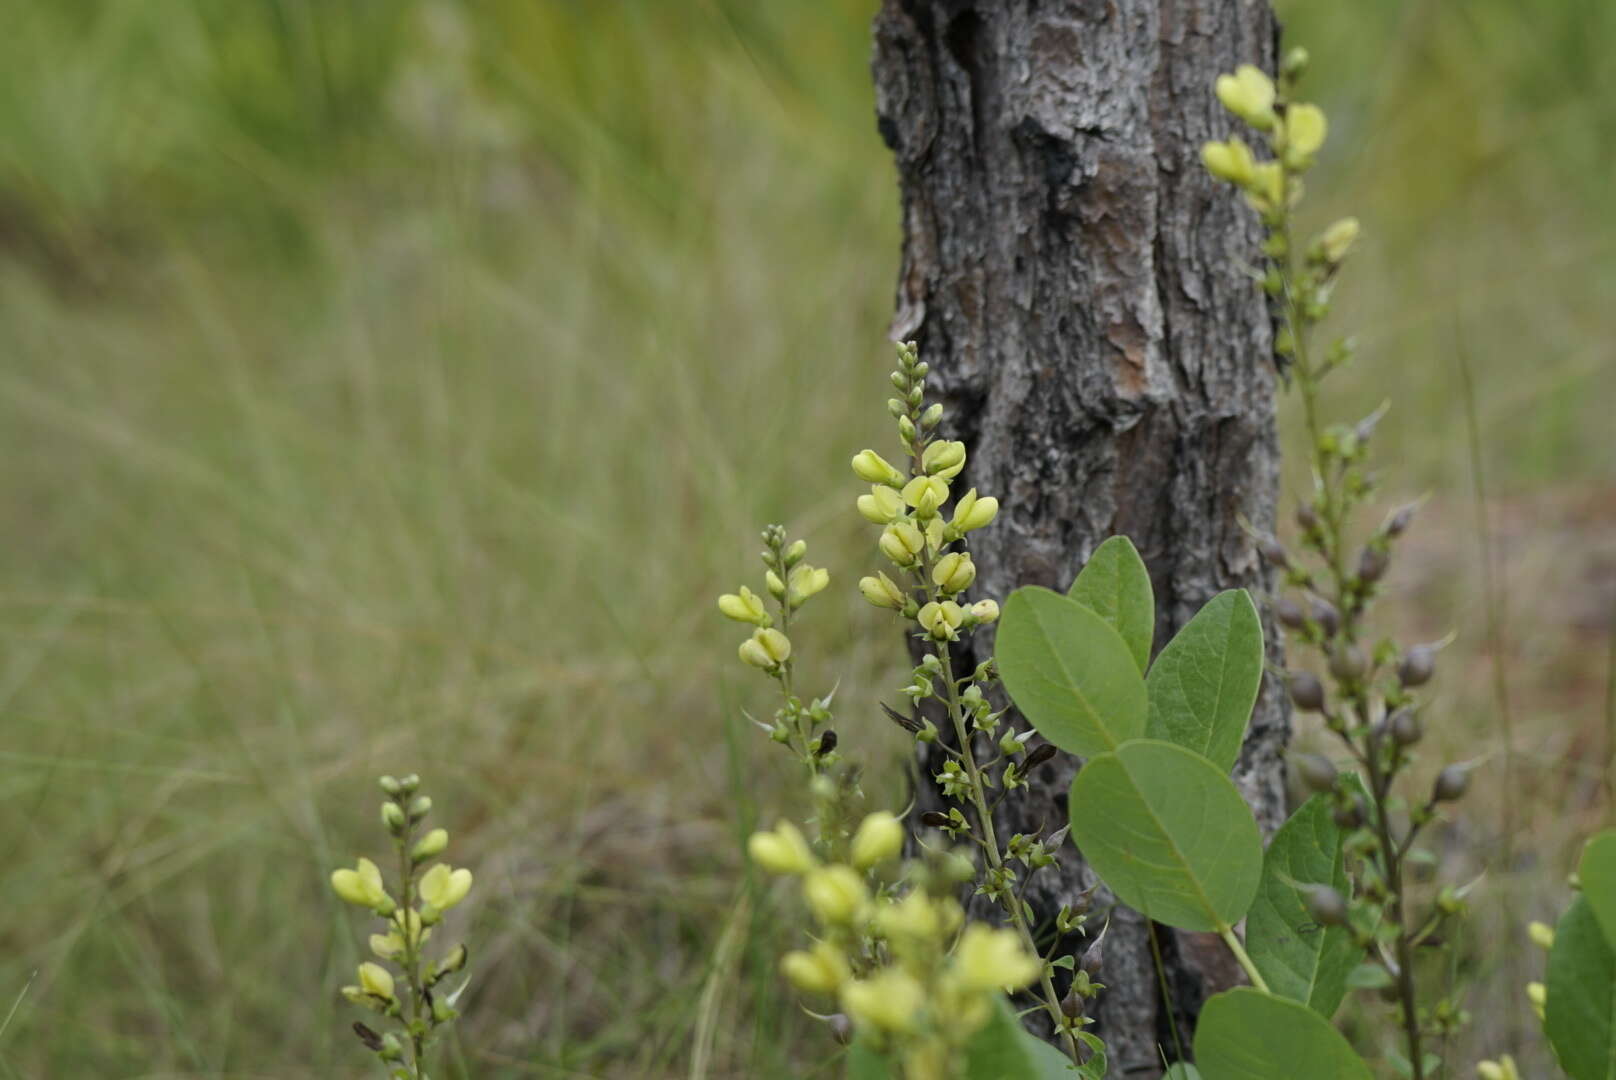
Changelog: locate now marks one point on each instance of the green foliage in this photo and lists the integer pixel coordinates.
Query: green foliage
(1168, 832)
(1581, 983)
(1069, 672)
(1001, 1050)
(1203, 685)
(1115, 585)
(1299, 958)
(1597, 872)
(1244, 1034)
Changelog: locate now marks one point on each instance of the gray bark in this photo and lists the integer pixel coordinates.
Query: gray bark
(1074, 279)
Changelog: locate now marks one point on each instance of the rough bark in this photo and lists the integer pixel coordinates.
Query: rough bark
(1074, 279)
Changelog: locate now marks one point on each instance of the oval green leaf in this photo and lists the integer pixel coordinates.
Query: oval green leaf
(1581, 988)
(1069, 672)
(1004, 1050)
(1115, 586)
(1203, 685)
(1168, 833)
(1297, 957)
(1245, 1034)
(1598, 873)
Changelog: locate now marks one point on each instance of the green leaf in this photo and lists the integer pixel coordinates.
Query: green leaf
(1598, 873)
(1298, 958)
(1115, 586)
(1204, 684)
(1245, 1034)
(1168, 832)
(1368, 976)
(1004, 1050)
(1069, 672)
(1182, 1070)
(864, 1062)
(1581, 993)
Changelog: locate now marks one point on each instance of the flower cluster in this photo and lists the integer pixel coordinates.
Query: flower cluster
(892, 947)
(407, 997)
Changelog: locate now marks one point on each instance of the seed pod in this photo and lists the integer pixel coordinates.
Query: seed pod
(1273, 552)
(371, 1040)
(1348, 817)
(1372, 563)
(1038, 757)
(1289, 613)
(1317, 771)
(827, 743)
(1347, 662)
(1307, 691)
(1325, 614)
(1325, 905)
(935, 818)
(1416, 666)
(910, 723)
(1306, 517)
(1072, 1005)
(1093, 958)
(1405, 727)
(841, 1028)
(1450, 784)
(1399, 521)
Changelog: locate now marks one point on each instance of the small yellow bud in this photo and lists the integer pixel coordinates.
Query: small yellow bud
(954, 572)
(881, 505)
(1339, 238)
(819, 971)
(443, 888)
(375, 979)
(1542, 935)
(985, 611)
(890, 1001)
(944, 459)
(902, 543)
(940, 620)
(745, 606)
(993, 959)
(794, 553)
(1231, 161)
(883, 592)
(783, 851)
(806, 581)
(1537, 994)
(362, 886)
(430, 844)
(835, 894)
(1502, 1069)
(879, 838)
(872, 468)
(777, 588)
(926, 494)
(1305, 128)
(973, 513)
(1249, 94)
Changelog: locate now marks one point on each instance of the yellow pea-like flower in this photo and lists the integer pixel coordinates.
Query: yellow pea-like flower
(879, 838)
(892, 1001)
(443, 888)
(883, 592)
(783, 851)
(993, 959)
(872, 468)
(361, 886)
(835, 894)
(375, 979)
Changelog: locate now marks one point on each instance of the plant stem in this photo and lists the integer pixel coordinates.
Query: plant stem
(412, 948)
(1239, 950)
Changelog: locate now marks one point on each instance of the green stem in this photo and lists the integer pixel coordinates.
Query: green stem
(1240, 954)
(412, 964)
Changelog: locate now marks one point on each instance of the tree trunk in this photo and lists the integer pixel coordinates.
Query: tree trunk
(1075, 281)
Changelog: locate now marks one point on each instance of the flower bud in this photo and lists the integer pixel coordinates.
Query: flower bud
(793, 554)
(954, 572)
(1305, 128)
(431, 844)
(932, 416)
(1317, 771)
(1326, 906)
(376, 980)
(1289, 613)
(408, 784)
(776, 646)
(777, 588)
(835, 894)
(1542, 935)
(988, 958)
(1416, 666)
(881, 506)
(806, 581)
(1338, 239)
(389, 785)
(971, 512)
(819, 971)
(1273, 552)
(872, 468)
(1295, 63)
(1306, 691)
(883, 592)
(393, 819)
(879, 838)
(926, 494)
(783, 851)
(943, 459)
(1249, 94)
(745, 606)
(985, 611)
(1451, 783)
(1399, 522)
(902, 543)
(420, 807)
(1268, 184)
(940, 620)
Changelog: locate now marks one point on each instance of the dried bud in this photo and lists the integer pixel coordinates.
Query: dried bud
(1405, 727)
(1347, 662)
(371, 1040)
(1317, 771)
(935, 818)
(1325, 614)
(909, 723)
(827, 743)
(1038, 757)
(1398, 523)
(1307, 691)
(1416, 666)
(1273, 552)
(841, 1028)
(1289, 613)
(1372, 562)
(1450, 784)
(1325, 905)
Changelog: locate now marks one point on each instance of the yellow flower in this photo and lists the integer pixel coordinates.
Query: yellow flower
(985, 611)
(883, 592)
(890, 1001)
(1339, 238)
(430, 844)
(879, 838)
(386, 945)
(954, 572)
(944, 459)
(361, 886)
(918, 917)
(835, 894)
(822, 970)
(806, 581)
(926, 494)
(1231, 161)
(1502, 1069)
(443, 888)
(745, 606)
(1269, 184)
(940, 620)
(990, 959)
(1249, 94)
(1305, 128)
(1542, 934)
(375, 979)
(872, 468)
(972, 512)
(783, 851)
(902, 543)
(881, 505)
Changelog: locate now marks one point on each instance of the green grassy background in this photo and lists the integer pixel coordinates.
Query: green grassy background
(388, 384)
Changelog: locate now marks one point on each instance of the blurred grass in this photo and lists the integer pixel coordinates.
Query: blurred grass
(391, 385)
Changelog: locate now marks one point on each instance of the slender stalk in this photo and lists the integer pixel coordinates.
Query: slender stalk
(412, 949)
(1233, 942)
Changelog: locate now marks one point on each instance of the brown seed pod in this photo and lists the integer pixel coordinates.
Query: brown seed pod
(1372, 563)
(1325, 614)
(1039, 756)
(1273, 551)
(1289, 613)
(371, 1040)
(1417, 666)
(1317, 771)
(1347, 662)
(1306, 517)
(935, 818)
(1405, 727)
(1307, 691)
(1325, 905)
(827, 742)
(1451, 783)
(1400, 521)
